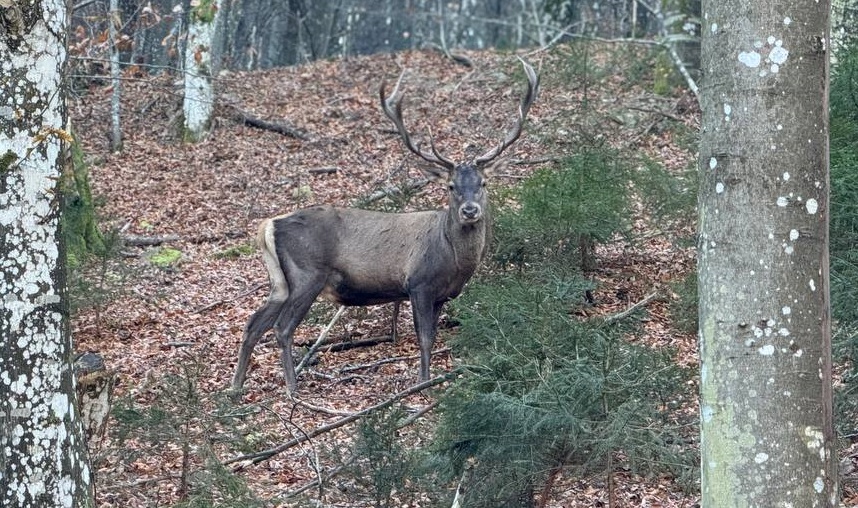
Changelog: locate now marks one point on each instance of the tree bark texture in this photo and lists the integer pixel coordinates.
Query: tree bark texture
(43, 460)
(765, 347)
(199, 91)
(115, 74)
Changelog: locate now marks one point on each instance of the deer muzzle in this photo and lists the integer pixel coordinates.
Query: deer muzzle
(470, 212)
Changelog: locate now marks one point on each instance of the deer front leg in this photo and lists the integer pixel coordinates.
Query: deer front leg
(394, 335)
(426, 312)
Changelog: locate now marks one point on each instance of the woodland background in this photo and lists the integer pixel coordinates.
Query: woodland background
(572, 354)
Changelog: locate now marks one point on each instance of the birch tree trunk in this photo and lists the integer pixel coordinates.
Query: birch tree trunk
(115, 74)
(765, 346)
(199, 92)
(43, 460)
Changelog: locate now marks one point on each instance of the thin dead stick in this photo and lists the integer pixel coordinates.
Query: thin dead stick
(335, 347)
(392, 359)
(317, 481)
(335, 471)
(624, 314)
(333, 412)
(244, 461)
(417, 414)
(315, 347)
(539, 160)
(320, 409)
(140, 482)
(225, 300)
(314, 460)
(460, 488)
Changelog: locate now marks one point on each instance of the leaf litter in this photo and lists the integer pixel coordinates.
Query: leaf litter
(213, 195)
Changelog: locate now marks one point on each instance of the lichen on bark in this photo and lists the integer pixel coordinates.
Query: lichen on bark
(43, 460)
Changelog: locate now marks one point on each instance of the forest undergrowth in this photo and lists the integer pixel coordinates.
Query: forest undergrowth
(620, 235)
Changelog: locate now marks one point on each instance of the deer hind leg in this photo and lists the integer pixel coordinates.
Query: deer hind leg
(260, 322)
(264, 318)
(300, 300)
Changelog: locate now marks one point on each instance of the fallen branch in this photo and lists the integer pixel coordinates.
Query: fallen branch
(417, 414)
(148, 241)
(259, 123)
(540, 160)
(657, 111)
(320, 409)
(214, 304)
(315, 347)
(316, 481)
(137, 483)
(244, 461)
(336, 470)
(345, 346)
(323, 171)
(384, 361)
(624, 314)
(467, 472)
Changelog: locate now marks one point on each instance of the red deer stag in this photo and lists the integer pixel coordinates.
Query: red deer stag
(359, 257)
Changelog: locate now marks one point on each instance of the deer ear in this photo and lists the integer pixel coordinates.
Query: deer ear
(496, 167)
(436, 174)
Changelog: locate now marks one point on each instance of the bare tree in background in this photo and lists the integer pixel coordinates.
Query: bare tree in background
(199, 71)
(115, 72)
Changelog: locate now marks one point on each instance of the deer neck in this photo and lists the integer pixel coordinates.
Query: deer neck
(467, 241)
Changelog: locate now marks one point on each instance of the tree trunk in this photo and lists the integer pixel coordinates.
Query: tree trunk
(114, 25)
(765, 345)
(199, 92)
(43, 460)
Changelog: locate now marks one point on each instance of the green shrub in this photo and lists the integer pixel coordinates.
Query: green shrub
(176, 418)
(557, 208)
(683, 311)
(545, 390)
(558, 213)
(844, 232)
(383, 465)
(81, 234)
(89, 252)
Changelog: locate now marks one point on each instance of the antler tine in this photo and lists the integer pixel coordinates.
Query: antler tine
(526, 101)
(447, 163)
(392, 107)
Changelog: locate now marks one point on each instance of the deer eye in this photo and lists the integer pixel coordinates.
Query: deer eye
(451, 187)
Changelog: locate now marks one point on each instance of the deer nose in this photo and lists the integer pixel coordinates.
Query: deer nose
(470, 211)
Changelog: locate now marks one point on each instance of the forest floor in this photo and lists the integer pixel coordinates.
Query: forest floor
(171, 333)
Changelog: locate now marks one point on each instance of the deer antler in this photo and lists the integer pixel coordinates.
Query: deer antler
(524, 107)
(392, 107)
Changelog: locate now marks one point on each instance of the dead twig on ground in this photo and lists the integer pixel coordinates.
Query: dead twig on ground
(148, 240)
(353, 344)
(392, 359)
(244, 461)
(315, 347)
(239, 296)
(613, 318)
(252, 121)
(393, 190)
(417, 414)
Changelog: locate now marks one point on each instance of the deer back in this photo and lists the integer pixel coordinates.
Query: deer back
(370, 257)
